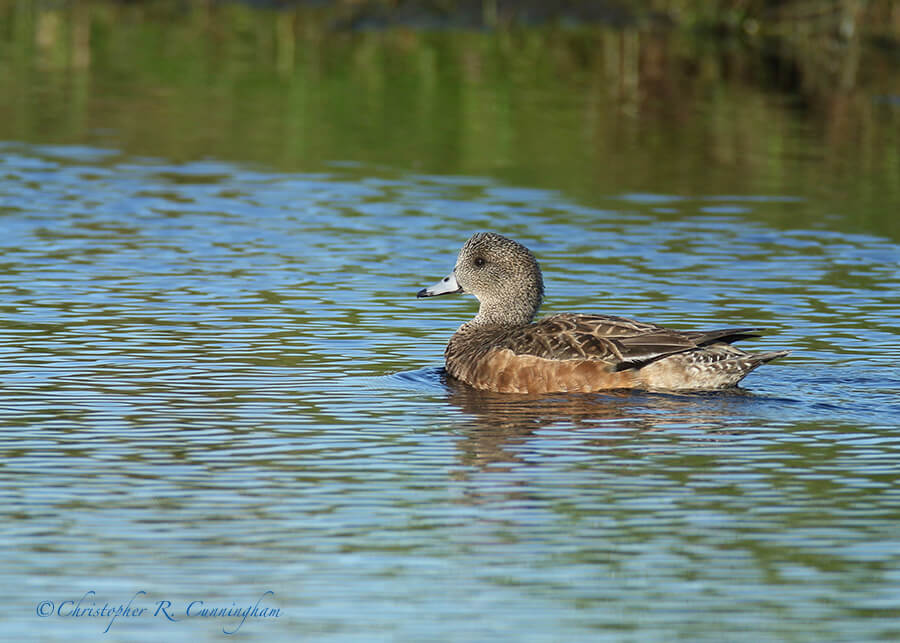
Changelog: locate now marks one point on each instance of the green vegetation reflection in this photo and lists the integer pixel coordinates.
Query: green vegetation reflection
(649, 107)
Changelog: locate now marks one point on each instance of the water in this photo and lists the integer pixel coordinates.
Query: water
(218, 383)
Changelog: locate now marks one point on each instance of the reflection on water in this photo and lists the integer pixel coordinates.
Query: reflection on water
(593, 112)
(502, 423)
(218, 382)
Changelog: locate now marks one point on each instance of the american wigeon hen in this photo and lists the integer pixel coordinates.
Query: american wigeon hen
(502, 349)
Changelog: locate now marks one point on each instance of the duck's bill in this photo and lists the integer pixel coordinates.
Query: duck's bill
(446, 286)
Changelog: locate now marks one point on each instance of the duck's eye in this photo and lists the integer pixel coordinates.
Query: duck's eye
(479, 262)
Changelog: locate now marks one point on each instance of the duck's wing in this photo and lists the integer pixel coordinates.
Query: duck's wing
(622, 343)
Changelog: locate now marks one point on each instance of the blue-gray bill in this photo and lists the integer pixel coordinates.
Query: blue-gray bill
(446, 286)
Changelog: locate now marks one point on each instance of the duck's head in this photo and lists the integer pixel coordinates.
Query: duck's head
(502, 274)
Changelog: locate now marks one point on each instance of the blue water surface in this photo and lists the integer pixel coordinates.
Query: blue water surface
(218, 383)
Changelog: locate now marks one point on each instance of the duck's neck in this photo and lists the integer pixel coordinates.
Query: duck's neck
(519, 312)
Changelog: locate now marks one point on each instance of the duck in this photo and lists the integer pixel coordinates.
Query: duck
(504, 350)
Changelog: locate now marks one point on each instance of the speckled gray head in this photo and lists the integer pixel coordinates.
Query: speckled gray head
(502, 274)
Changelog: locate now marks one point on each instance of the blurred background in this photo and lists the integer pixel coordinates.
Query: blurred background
(753, 95)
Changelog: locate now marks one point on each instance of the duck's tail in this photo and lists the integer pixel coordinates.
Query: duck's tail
(758, 359)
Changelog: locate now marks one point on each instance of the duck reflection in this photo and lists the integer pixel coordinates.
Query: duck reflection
(501, 424)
